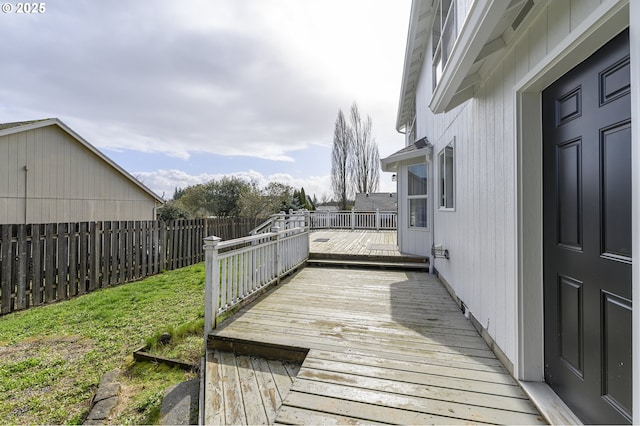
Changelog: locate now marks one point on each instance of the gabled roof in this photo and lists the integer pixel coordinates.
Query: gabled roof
(23, 126)
(383, 201)
(420, 148)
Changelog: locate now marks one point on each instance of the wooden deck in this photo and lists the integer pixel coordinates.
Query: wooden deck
(378, 347)
(362, 243)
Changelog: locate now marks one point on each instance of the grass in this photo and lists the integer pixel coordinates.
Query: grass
(52, 357)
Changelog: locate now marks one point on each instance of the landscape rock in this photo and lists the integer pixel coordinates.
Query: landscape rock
(105, 399)
(180, 404)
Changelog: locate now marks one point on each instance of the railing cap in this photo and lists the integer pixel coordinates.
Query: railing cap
(211, 241)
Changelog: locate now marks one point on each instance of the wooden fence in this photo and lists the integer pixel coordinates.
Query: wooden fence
(44, 263)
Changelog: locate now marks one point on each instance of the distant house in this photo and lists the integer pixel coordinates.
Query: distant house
(49, 173)
(518, 168)
(383, 201)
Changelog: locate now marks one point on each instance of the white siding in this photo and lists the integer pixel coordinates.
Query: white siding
(481, 233)
(65, 182)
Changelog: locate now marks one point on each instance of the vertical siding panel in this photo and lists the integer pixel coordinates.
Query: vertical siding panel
(501, 319)
(4, 170)
(580, 9)
(494, 188)
(522, 56)
(509, 238)
(558, 22)
(538, 39)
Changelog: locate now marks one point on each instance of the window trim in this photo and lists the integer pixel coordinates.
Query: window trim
(424, 196)
(443, 187)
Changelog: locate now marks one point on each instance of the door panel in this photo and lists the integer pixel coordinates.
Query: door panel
(587, 235)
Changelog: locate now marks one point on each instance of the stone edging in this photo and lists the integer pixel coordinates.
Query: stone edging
(105, 399)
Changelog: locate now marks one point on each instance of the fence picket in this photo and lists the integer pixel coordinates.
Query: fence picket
(21, 271)
(37, 249)
(5, 270)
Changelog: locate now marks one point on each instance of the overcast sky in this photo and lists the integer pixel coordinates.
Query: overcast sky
(181, 92)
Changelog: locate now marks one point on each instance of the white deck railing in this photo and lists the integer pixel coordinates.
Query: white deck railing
(237, 269)
(293, 219)
(344, 219)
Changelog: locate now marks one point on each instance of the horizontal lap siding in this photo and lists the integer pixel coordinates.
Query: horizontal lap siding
(481, 233)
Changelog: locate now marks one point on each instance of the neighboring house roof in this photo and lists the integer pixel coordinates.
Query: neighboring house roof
(20, 123)
(420, 148)
(383, 201)
(21, 126)
(326, 208)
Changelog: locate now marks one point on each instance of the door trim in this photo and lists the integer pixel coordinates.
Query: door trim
(606, 21)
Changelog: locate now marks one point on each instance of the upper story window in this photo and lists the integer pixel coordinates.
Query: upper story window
(443, 36)
(447, 166)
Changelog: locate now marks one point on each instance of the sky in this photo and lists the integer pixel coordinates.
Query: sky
(181, 92)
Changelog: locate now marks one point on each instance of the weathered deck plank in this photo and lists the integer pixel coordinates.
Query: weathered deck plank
(384, 347)
(245, 389)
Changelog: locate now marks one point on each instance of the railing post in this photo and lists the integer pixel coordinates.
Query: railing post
(276, 257)
(353, 218)
(212, 284)
(377, 219)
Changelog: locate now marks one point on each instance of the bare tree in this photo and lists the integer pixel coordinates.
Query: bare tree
(365, 159)
(340, 156)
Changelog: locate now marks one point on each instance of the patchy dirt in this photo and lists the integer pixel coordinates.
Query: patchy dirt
(32, 373)
(69, 348)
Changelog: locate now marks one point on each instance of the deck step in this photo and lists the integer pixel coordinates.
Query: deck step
(256, 348)
(368, 257)
(363, 262)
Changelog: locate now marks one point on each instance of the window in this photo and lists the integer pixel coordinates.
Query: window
(446, 161)
(443, 35)
(417, 195)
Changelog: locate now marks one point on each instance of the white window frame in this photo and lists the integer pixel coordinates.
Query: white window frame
(443, 35)
(424, 196)
(447, 178)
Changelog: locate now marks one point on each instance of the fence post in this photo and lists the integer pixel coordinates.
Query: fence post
(212, 284)
(276, 257)
(377, 219)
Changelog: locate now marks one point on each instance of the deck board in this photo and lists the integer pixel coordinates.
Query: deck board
(384, 347)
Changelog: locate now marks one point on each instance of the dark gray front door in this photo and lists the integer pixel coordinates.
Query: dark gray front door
(587, 235)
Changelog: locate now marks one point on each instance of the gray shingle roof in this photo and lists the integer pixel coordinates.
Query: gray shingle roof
(19, 123)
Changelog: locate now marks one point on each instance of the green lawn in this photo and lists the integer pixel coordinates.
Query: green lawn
(52, 357)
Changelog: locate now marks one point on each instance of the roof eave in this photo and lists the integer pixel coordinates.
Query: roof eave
(417, 36)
